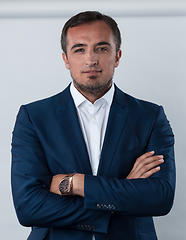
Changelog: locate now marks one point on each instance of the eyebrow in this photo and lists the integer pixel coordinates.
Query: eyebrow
(103, 43)
(78, 45)
(84, 45)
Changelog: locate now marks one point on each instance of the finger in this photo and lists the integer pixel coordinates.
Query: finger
(145, 166)
(146, 155)
(143, 158)
(150, 172)
(155, 163)
(143, 162)
(151, 165)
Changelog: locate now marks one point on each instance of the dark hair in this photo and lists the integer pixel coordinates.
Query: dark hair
(88, 17)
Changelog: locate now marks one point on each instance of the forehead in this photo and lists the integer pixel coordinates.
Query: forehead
(90, 32)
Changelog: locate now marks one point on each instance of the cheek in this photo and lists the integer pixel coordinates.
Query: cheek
(76, 64)
(73, 67)
(75, 70)
(110, 66)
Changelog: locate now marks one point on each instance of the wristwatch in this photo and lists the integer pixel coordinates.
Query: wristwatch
(65, 186)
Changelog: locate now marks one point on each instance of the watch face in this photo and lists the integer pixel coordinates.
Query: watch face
(64, 186)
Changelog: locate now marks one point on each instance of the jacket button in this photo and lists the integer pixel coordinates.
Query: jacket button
(109, 207)
(93, 228)
(98, 205)
(105, 206)
(89, 227)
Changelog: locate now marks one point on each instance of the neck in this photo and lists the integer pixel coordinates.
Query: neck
(91, 95)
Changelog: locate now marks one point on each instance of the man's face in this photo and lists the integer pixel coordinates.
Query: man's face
(91, 57)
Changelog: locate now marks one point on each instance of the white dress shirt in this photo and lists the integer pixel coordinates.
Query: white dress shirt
(93, 120)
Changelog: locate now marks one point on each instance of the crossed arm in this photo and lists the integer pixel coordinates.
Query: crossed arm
(37, 206)
(144, 167)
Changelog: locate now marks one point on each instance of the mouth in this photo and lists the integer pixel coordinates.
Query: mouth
(92, 72)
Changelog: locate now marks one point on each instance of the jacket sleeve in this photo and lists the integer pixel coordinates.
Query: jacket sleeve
(139, 197)
(35, 205)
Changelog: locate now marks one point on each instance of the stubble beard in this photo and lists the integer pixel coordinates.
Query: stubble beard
(94, 88)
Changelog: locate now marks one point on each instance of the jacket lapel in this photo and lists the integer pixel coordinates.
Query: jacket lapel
(70, 122)
(116, 122)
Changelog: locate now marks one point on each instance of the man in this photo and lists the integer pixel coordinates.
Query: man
(92, 162)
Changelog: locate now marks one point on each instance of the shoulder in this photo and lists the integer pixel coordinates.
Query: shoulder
(133, 103)
(44, 108)
(50, 102)
(141, 111)
(44, 101)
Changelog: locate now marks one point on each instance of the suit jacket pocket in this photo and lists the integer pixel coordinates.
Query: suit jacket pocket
(147, 236)
(38, 234)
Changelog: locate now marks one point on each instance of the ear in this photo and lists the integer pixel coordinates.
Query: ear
(118, 56)
(65, 59)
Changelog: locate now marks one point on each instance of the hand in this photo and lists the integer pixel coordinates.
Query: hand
(146, 165)
(54, 186)
(77, 184)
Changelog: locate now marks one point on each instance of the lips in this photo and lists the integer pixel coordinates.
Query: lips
(92, 71)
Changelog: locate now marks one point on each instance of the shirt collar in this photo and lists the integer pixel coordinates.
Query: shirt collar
(79, 98)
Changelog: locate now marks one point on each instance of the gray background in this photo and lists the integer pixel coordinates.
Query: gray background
(153, 67)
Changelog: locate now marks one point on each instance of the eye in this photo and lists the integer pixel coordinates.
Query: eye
(79, 50)
(102, 49)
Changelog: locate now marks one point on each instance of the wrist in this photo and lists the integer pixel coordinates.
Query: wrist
(78, 184)
(66, 184)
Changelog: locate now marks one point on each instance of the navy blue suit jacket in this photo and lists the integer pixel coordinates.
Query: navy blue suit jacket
(47, 140)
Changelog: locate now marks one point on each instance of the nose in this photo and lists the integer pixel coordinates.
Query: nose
(91, 58)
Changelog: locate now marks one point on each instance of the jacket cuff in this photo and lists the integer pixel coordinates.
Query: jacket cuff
(90, 202)
(95, 194)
